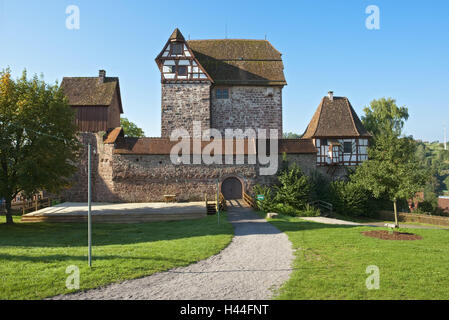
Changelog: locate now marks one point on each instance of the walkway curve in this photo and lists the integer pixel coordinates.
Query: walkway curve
(258, 260)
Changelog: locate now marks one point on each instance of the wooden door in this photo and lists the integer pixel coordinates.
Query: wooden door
(232, 189)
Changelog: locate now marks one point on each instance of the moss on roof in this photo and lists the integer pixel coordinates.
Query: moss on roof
(240, 61)
(177, 35)
(90, 91)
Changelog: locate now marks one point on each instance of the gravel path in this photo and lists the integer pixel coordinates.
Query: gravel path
(258, 260)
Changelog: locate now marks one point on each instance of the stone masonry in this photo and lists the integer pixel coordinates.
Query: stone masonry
(248, 107)
(184, 103)
(147, 178)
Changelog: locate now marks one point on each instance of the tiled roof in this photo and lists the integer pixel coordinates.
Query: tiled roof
(113, 135)
(335, 118)
(91, 91)
(163, 146)
(299, 146)
(240, 61)
(177, 35)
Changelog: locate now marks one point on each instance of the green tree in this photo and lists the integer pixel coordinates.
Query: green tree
(291, 135)
(38, 143)
(384, 117)
(392, 170)
(294, 189)
(130, 129)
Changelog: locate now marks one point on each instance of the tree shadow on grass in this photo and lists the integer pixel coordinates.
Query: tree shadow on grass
(71, 235)
(62, 257)
(286, 225)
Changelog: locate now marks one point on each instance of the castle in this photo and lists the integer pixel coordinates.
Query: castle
(215, 84)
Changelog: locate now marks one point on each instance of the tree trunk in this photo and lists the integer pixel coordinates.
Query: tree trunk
(395, 214)
(9, 219)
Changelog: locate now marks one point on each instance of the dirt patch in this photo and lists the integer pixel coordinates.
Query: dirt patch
(387, 235)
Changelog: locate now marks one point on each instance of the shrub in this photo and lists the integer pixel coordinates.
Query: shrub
(266, 204)
(424, 207)
(351, 199)
(285, 209)
(294, 188)
(320, 186)
(310, 211)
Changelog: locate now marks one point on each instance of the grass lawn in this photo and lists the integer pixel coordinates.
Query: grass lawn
(331, 262)
(34, 256)
(372, 220)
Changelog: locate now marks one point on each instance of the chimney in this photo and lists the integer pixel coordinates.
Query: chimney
(101, 76)
(331, 95)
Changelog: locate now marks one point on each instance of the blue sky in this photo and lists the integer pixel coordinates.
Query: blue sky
(325, 46)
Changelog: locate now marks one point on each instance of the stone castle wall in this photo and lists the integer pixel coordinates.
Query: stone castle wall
(147, 178)
(78, 190)
(182, 104)
(248, 107)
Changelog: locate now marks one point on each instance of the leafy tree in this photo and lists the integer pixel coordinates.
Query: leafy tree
(384, 117)
(130, 129)
(446, 182)
(38, 141)
(291, 135)
(392, 170)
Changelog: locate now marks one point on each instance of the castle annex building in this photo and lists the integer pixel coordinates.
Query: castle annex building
(222, 84)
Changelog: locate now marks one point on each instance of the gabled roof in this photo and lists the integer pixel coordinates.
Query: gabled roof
(177, 35)
(91, 91)
(240, 61)
(335, 118)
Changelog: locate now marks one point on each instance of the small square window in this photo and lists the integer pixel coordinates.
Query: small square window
(182, 70)
(222, 93)
(347, 147)
(324, 142)
(176, 48)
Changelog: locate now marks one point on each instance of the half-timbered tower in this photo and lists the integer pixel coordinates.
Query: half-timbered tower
(338, 134)
(185, 87)
(223, 83)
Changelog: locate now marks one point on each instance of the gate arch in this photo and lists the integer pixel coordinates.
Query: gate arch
(232, 188)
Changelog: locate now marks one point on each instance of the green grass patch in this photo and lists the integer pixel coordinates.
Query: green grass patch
(331, 262)
(34, 256)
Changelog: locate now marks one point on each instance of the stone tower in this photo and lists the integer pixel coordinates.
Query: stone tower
(223, 83)
(185, 87)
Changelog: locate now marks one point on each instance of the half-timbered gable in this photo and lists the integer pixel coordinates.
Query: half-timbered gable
(177, 63)
(338, 134)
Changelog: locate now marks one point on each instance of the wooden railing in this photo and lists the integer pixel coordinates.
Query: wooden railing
(222, 202)
(249, 200)
(36, 204)
(323, 204)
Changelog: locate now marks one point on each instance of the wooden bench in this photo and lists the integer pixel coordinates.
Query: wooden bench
(169, 198)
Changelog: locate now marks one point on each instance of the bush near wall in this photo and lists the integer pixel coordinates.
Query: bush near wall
(290, 197)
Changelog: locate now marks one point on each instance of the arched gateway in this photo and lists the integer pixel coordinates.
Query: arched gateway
(232, 188)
